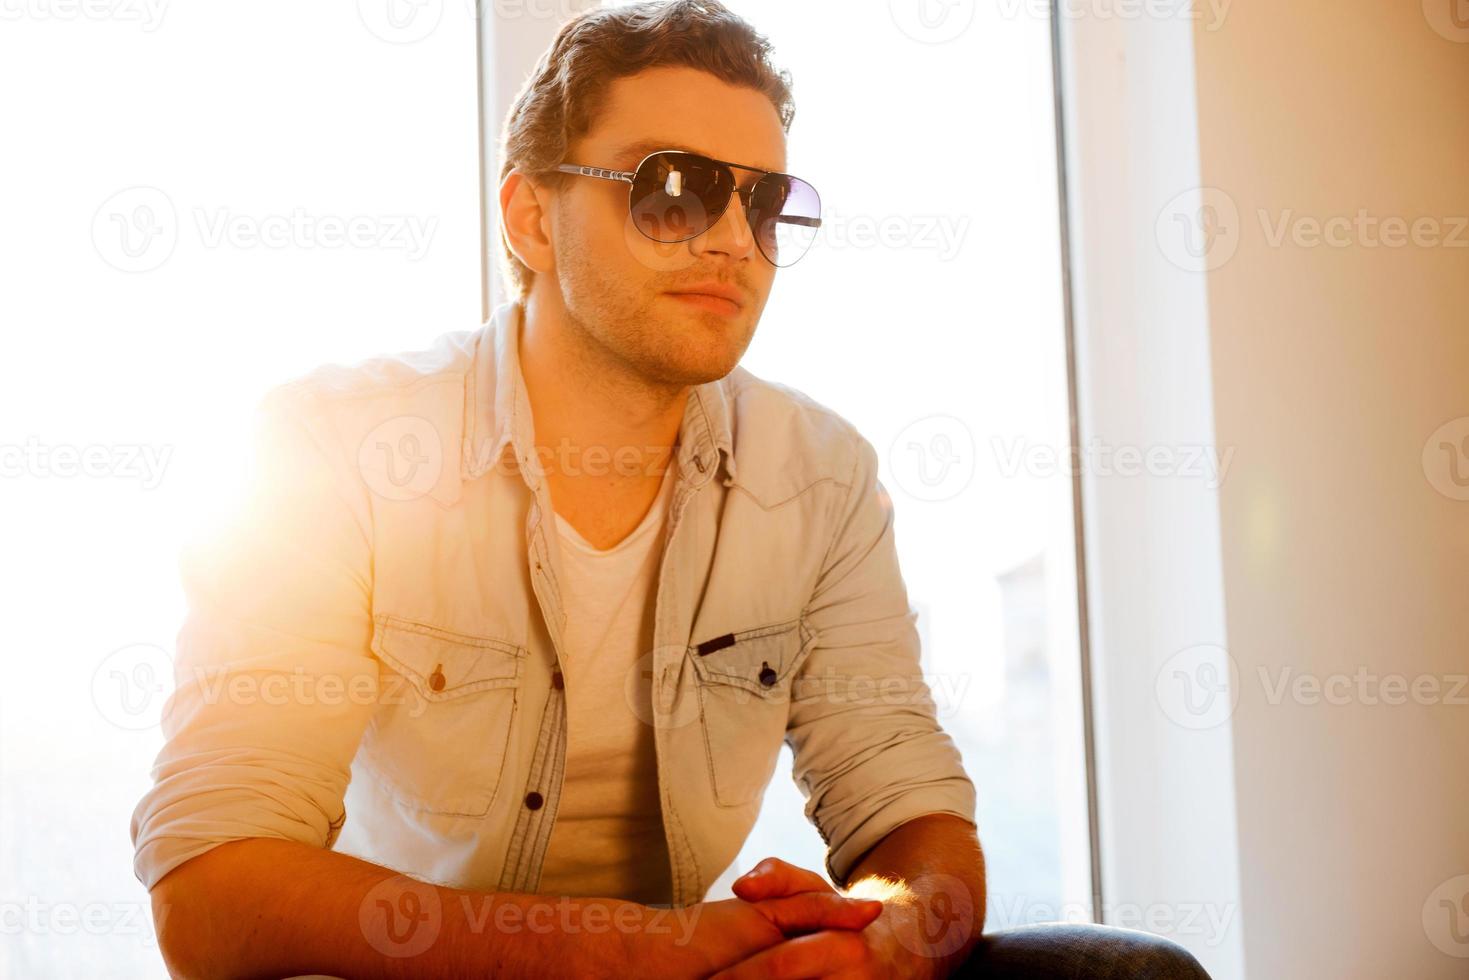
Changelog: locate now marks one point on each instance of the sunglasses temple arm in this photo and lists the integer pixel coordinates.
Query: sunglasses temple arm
(571, 168)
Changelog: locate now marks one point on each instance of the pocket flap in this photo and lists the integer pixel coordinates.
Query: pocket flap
(441, 664)
(760, 660)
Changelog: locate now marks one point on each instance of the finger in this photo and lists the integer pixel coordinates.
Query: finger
(774, 878)
(811, 911)
(820, 954)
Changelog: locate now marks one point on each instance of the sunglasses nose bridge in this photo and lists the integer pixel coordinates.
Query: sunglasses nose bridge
(738, 202)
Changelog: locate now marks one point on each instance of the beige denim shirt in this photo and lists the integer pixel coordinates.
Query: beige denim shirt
(370, 657)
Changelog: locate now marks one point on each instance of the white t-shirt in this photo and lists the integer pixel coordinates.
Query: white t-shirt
(608, 838)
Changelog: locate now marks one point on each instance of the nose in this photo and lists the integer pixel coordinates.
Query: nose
(731, 234)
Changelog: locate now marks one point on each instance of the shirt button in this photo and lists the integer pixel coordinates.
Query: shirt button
(557, 681)
(534, 800)
(767, 674)
(436, 679)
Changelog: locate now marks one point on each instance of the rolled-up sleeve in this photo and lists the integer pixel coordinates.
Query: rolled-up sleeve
(869, 753)
(274, 678)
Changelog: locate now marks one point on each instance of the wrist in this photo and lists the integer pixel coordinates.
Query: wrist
(605, 937)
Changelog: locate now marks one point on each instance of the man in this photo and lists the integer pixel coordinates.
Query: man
(493, 668)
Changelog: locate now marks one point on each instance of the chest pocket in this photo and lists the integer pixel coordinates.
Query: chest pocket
(744, 700)
(439, 739)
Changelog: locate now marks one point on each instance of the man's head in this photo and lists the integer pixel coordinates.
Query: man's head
(616, 84)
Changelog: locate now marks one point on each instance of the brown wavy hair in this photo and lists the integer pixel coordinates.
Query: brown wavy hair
(564, 93)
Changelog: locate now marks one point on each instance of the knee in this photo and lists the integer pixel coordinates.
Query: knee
(1145, 956)
(1071, 950)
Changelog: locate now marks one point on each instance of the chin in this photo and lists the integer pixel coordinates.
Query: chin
(704, 351)
(696, 364)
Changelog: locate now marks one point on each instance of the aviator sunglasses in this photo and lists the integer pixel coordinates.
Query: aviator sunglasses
(677, 196)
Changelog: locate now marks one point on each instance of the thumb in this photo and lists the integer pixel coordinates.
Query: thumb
(774, 878)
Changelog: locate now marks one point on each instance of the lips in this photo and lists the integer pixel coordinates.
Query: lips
(719, 290)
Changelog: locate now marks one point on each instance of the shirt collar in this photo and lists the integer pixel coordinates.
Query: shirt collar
(498, 418)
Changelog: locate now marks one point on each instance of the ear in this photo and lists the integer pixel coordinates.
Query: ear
(526, 221)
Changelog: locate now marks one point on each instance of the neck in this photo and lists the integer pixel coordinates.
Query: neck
(594, 415)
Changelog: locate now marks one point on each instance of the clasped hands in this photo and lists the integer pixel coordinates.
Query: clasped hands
(789, 922)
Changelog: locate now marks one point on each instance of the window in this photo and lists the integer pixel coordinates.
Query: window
(929, 313)
(204, 200)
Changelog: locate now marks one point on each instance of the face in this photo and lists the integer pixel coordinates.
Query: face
(617, 287)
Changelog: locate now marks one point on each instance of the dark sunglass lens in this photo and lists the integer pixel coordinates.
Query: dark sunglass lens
(785, 215)
(676, 196)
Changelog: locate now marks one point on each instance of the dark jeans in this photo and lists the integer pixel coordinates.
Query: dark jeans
(1080, 952)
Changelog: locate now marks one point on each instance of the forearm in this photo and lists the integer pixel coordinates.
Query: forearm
(937, 858)
(269, 908)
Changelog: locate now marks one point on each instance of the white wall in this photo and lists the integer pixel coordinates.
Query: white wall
(1332, 366)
